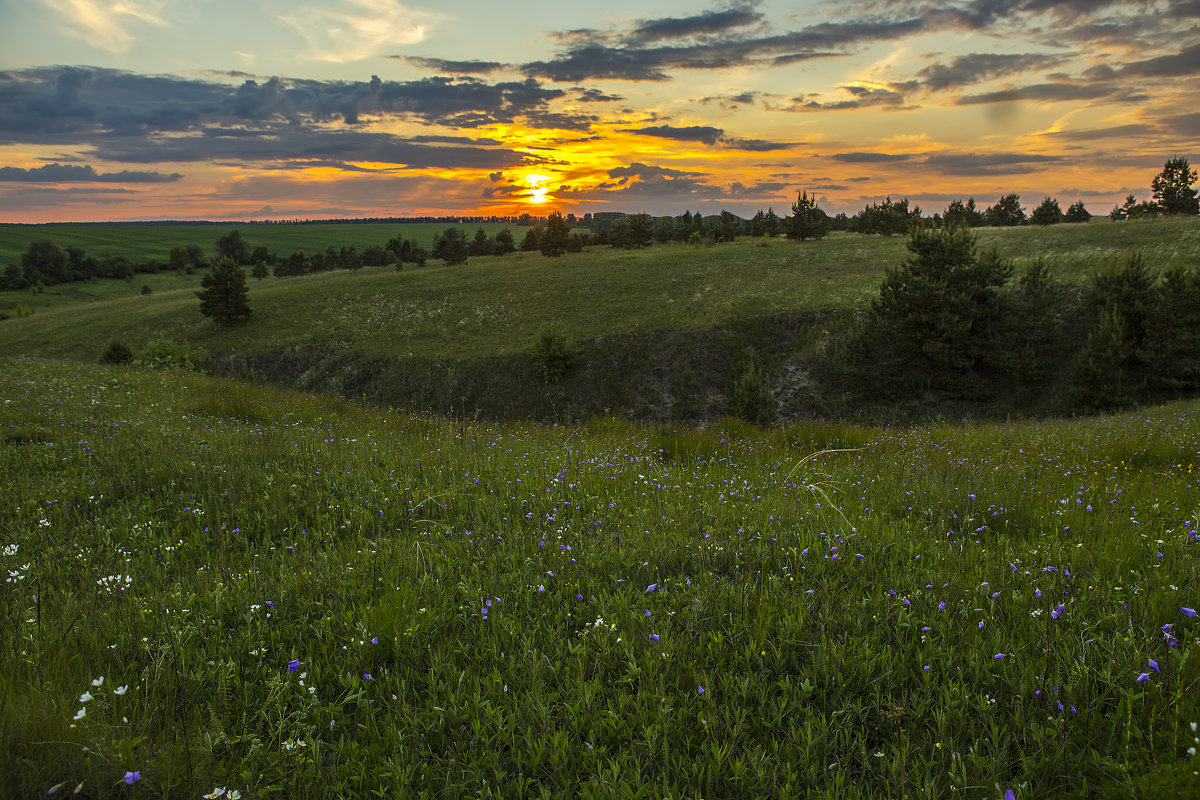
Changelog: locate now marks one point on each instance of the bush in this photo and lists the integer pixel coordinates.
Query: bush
(116, 353)
(553, 354)
(751, 398)
(162, 352)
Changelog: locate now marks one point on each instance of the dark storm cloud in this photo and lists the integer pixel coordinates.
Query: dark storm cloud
(710, 136)
(755, 145)
(976, 164)
(1185, 63)
(67, 104)
(733, 100)
(860, 97)
(450, 67)
(709, 22)
(976, 67)
(597, 96)
(69, 173)
(692, 133)
(283, 144)
(622, 55)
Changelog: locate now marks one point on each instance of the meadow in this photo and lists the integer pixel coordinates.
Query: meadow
(494, 306)
(219, 589)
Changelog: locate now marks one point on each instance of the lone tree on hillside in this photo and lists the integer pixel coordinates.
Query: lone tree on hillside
(1173, 188)
(807, 220)
(553, 241)
(223, 294)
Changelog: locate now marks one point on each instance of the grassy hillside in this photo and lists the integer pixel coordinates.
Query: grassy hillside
(213, 585)
(666, 333)
(143, 241)
(494, 306)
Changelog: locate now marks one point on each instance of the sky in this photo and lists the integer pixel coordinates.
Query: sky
(293, 109)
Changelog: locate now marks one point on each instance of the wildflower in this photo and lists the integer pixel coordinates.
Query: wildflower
(998, 657)
(132, 777)
(1188, 612)
(1154, 665)
(699, 690)
(366, 676)
(81, 713)
(293, 665)
(1143, 677)
(654, 586)
(654, 637)
(121, 689)
(86, 696)
(215, 793)
(374, 640)
(98, 682)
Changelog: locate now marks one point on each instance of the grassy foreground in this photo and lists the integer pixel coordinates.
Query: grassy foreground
(213, 585)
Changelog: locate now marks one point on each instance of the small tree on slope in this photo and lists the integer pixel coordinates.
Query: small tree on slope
(223, 293)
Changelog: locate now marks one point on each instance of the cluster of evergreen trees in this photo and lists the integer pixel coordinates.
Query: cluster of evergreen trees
(950, 323)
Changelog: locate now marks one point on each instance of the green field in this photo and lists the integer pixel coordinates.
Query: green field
(214, 585)
(144, 241)
(494, 305)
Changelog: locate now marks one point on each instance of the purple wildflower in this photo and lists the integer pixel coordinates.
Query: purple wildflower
(293, 665)
(1188, 612)
(1143, 677)
(654, 637)
(132, 777)
(1154, 665)
(699, 690)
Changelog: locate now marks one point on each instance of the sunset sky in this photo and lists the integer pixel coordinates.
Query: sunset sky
(280, 109)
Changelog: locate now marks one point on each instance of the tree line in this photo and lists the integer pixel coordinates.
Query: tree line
(46, 263)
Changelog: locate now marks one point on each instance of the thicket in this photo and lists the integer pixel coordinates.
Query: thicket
(950, 324)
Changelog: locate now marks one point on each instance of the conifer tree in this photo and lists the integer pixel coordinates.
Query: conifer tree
(223, 293)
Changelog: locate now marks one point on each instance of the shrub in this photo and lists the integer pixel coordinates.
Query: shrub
(553, 354)
(751, 398)
(162, 352)
(116, 353)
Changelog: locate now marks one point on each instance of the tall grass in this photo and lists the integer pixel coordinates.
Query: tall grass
(211, 585)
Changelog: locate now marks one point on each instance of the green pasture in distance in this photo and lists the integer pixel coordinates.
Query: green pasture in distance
(143, 241)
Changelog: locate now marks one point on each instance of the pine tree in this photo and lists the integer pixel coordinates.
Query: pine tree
(1173, 190)
(1048, 213)
(223, 293)
(807, 220)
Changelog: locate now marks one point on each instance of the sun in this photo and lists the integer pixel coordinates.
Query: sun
(538, 190)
